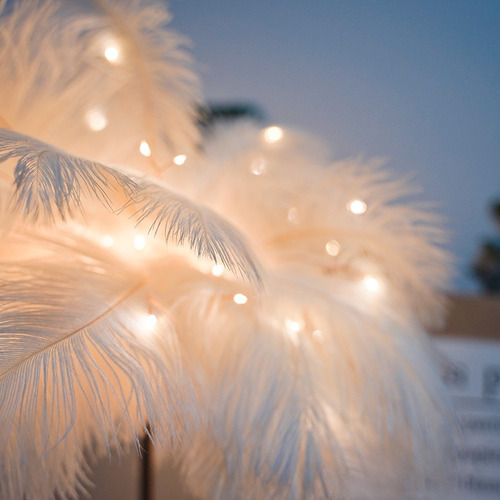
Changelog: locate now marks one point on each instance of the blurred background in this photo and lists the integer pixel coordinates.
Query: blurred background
(416, 83)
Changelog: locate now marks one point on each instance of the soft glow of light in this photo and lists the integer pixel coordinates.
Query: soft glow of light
(145, 149)
(179, 159)
(258, 167)
(218, 270)
(96, 119)
(293, 328)
(357, 207)
(239, 298)
(293, 215)
(107, 241)
(273, 134)
(112, 54)
(371, 284)
(148, 323)
(332, 248)
(139, 242)
(318, 334)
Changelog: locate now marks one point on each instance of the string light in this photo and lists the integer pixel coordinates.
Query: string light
(145, 149)
(107, 241)
(258, 166)
(96, 119)
(357, 207)
(218, 270)
(371, 284)
(293, 328)
(332, 248)
(273, 134)
(179, 159)
(318, 334)
(240, 299)
(139, 242)
(112, 54)
(147, 323)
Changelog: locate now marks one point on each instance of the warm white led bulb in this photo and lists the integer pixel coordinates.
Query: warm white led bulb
(96, 119)
(292, 325)
(318, 334)
(332, 248)
(293, 328)
(150, 320)
(258, 166)
(357, 207)
(239, 298)
(179, 159)
(147, 324)
(107, 241)
(371, 284)
(217, 270)
(139, 242)
(112, 53)
(273, 134)
(145, 149)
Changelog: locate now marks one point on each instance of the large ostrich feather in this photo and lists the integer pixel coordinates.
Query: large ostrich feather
(80, 362)
(131, 301)
(55, 79)
(342, 397)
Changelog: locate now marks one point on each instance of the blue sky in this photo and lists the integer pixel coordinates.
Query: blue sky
(416, 82)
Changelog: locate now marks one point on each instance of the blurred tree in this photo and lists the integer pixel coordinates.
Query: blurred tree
(229, 112)
(486, 265)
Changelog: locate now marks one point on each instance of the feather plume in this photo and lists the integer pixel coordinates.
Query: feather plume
(49, 181)
(58, 86)
(208, 234)
(291, 203)
(298, 404)
(81, 363)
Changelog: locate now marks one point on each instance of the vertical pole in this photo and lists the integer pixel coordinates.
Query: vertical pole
(147, 467)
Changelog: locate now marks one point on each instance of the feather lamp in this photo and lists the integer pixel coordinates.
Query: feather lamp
(257, 310)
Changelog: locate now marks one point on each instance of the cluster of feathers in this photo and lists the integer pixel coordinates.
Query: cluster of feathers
(314, 388)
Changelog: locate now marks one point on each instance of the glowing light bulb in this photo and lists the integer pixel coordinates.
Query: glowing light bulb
(218, 270)
(239, 298)
(179, 159)
(293, 215)
(112, 54)
(318, 334)
(107, 241)
(96, 119)
(145, 149)
(273, 134)
(332, 248)
(293, 328)
(371, 284)
(292, 325)
(150, 320)
(357, 207)
(147, 323)
(258, 167)
(139, 242)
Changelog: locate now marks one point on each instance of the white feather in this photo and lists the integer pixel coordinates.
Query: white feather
(312, 412)
(55, 77)
(80, 367)
(298, 202)
(50, 182)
